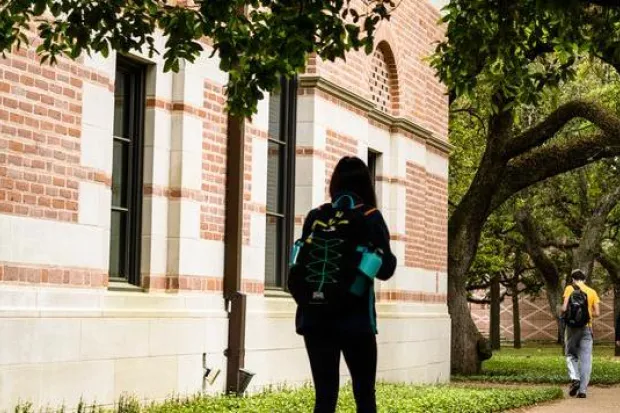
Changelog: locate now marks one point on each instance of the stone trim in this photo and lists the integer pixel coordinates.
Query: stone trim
(394, 123)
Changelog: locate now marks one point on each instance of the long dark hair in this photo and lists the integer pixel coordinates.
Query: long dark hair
(352, 175)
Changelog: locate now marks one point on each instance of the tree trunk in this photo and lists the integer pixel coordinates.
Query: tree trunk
(466, 339)
(546, 267)
(555, 300)
(469, 347)
(589, 244)
(516, 315)
(516, 320)
(495, 322)
(616, 315)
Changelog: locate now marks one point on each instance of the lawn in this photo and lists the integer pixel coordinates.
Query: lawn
(391, 398)
(544, 364)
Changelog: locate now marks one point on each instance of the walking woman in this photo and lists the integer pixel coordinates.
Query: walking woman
(344, 245)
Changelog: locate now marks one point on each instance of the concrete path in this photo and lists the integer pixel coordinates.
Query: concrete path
(600, 400)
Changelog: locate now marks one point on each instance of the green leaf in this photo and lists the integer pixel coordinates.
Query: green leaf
(39, 7)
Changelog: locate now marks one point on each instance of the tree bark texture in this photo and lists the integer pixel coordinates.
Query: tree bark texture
(589, 245)
(516, 321)
(469, 347)
(516, 313)
(545, 265)
(495, 322)
(616, 315)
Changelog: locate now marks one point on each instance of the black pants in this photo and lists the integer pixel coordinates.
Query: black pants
(360, 354)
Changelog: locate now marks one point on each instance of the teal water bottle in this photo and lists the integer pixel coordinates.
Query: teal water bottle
(369, 267)
(295, 252)
(371, 262)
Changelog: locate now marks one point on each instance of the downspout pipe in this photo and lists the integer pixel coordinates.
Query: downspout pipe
(235, 300)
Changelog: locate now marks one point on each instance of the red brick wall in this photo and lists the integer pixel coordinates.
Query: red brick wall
(537, 322)
(336, 147)
(411, 35)
(426, 241)
(383, 80)
(436, 228)
(415, 248)
(213, 213)
(40, 116)
(213, 164)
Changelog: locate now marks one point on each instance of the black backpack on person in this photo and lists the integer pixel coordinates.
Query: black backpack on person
(577, 314)
(324, 265)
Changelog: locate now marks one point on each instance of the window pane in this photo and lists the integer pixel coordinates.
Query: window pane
(120, 165)
(274, 116)
(126, 181)
(372, 165)
(274, 178)
(120, 108)
(279, 220)
(273, 247)
(117, 244)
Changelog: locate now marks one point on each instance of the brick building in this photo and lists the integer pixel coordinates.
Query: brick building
(112, 188)
(537, 322)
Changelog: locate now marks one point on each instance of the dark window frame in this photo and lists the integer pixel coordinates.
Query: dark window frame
(373, 159)
(133, 114)
(287, 139)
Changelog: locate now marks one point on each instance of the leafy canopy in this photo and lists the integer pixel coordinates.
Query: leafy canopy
(257, 40)
(521, 47)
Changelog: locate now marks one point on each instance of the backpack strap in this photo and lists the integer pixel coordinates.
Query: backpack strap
(370, 212)
(344, 198)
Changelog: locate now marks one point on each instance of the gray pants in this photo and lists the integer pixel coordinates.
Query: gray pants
(578, 350)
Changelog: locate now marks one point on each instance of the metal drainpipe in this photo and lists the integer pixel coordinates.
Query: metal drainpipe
(235, 300)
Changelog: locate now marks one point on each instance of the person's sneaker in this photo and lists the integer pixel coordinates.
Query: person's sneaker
(574, 388)
(581, 396)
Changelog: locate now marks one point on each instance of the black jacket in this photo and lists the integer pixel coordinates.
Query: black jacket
(362, 318)
(618, 328)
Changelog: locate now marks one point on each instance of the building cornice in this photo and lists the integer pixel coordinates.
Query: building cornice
(365, 105)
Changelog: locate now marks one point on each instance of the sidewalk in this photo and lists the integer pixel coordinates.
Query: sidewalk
(600, 400)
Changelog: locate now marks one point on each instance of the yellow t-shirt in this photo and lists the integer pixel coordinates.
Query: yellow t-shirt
(592, 298)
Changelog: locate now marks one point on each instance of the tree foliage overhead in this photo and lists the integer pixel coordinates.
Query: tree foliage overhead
(521, 47)
(256, 40)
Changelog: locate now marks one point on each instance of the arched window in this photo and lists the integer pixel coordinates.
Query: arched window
(384, 80)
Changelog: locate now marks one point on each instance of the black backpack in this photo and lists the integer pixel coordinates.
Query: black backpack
(577, 314)
(324, 265)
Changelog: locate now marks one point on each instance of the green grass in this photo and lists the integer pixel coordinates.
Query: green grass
(391, 398)
(543, 364)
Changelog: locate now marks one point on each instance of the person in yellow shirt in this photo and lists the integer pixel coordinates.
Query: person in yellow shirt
(578, 333)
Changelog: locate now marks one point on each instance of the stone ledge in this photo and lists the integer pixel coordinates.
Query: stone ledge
(365, 105)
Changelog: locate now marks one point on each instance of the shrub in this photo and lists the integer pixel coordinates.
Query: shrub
(392, 398)
(544, 365)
